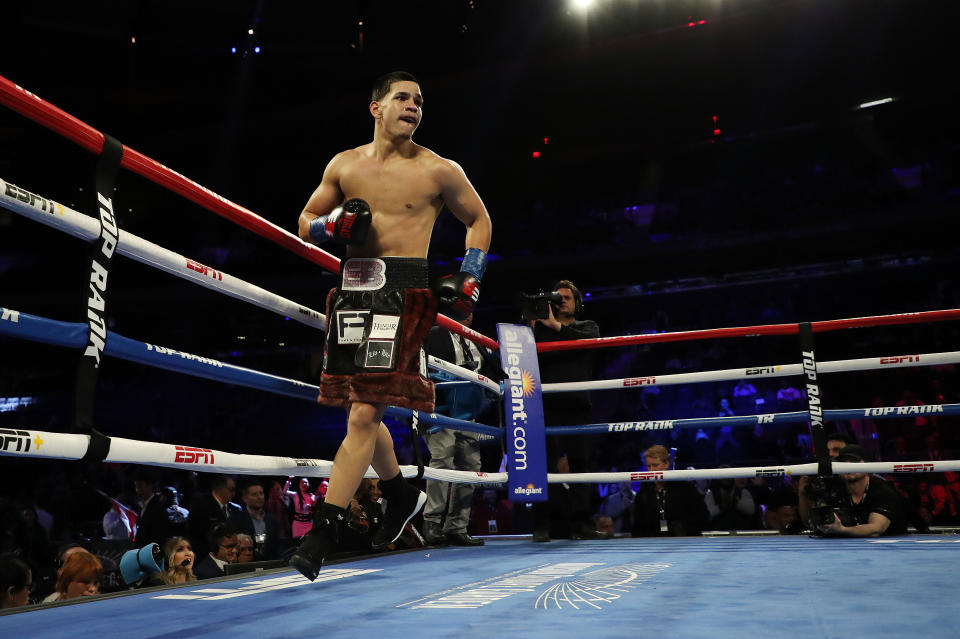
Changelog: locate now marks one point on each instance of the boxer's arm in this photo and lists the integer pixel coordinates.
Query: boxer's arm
(465, 204)
(324, 199)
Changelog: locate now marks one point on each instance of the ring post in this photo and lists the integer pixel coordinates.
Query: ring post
(523, 414)
(814, 399)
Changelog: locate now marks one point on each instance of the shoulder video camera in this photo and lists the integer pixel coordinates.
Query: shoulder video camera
(535, 306)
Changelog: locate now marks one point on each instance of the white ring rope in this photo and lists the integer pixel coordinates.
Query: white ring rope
(47, 445)
(86, 228)
(464, 373)
(759, 372)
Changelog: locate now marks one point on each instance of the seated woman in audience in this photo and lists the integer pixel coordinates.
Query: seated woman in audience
(79, 577)
(179, 569)
(16, 581)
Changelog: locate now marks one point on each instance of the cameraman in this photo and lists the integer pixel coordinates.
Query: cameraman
(833, 491)
(568, 509)
(873, 507)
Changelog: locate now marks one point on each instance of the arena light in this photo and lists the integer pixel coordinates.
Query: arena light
(8, 404)
(867, 105)
(582, 4)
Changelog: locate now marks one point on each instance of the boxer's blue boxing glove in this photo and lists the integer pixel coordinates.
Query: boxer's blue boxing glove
(346, 224)
(459, 292)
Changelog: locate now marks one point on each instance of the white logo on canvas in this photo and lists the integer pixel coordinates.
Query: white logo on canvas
(597, 587)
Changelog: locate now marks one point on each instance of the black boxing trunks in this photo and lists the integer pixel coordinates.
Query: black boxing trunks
(376, 323)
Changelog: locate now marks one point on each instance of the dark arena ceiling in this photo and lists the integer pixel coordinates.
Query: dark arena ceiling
(681, 143)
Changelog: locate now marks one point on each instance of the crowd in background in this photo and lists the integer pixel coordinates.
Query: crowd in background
(47, 507)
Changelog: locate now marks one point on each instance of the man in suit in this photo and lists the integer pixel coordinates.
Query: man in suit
(152, 523)
(208, 509)
(223, 544)
(446, 514)
(254, 520)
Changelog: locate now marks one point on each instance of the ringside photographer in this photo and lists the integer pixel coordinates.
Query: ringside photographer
(873, 507)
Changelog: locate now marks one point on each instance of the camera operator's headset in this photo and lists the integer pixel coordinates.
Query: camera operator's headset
(577, 295)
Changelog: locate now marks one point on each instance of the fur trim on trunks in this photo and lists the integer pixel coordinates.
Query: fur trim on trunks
(404, 386)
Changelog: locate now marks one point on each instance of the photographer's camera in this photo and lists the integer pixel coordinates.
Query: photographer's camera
(536, 306)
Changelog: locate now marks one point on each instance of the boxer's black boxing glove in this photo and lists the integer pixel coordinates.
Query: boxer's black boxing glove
(457, 294)
(346, 224)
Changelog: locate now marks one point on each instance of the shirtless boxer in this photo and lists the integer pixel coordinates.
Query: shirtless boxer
(382, 199)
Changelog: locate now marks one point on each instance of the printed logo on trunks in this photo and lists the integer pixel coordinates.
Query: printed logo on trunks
(350, 326)
(364, 274)
(379, 354)
(384, 326)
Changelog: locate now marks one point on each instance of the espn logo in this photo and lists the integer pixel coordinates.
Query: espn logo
(646, 476)
(204, 270)
(901, 359)
(771, 472)
(191, 455)
(639, 381)
(927, 467)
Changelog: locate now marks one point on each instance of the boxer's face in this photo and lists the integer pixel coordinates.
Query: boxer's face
(400, 111)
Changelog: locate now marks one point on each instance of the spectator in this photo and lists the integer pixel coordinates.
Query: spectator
(177, 515)
(254, 520)
(726, 445)
(447, 511)
(304, 502)
(79, 577)
(725, 410)
(30, 537)
(787, 395)
(364, 516)
(618, 505)
(152, 522)
(932, 450)
(730, 504)
(244, 548)
(780, 513)
(223, 543)
(277, 506)
(952, 484)
(664, 509)
(16, 582)
(179, 564)
(744, 389)
(493, 515)
(604, 524)
(875, 508)
(209, 509)
(745, 398)
(940, 504)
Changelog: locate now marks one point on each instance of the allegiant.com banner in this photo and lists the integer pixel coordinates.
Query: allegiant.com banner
(523, 414)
